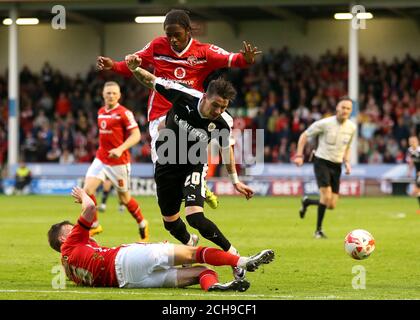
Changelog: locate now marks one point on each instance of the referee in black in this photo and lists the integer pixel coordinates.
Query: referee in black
(334, 135)
(198, 116)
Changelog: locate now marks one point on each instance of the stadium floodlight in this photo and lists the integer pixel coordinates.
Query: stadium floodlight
(349, 16)
(150, 19)
(22, 21)
(364, 15)
(343, 16)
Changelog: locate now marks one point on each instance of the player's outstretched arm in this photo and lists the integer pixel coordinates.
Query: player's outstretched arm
(250, 52)
(88, 206)
(104, 63)
(228, 157)
(143, 76)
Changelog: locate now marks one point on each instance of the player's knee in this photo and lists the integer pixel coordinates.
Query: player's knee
(124, 201)
(331, 206)
(327, 201)
(196, 220)
(173, 226)
(124, 198)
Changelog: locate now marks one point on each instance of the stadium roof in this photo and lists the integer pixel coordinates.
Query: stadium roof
(233, 11)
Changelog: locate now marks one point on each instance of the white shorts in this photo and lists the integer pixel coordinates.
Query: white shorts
(119, 174)
(154, 134)
(146, 265)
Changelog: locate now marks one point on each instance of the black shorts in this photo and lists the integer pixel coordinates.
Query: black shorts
(327, 174)
(175, 182)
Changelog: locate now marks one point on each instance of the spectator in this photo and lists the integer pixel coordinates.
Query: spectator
(23, 179)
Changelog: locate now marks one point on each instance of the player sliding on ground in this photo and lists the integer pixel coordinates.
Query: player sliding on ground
(141, 265)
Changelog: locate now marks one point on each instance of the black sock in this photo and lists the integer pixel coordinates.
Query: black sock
(178, 229)
(321, 213)
(208, 230)
(105, 196)
(418, 198)
(309, 202)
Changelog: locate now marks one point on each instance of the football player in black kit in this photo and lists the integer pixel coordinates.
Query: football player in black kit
(413, 159)
(194, 119)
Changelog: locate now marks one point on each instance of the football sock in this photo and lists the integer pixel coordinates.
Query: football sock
(134, 208)
(309, 202)
(208, 230)
(207, 278)
(215, 257)
(321, 213)
(95, 221)
(418, 198)
(105, 196)
(178, 229)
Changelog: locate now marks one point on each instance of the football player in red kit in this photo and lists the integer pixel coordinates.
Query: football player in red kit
(141, 265)
(118, 132)
(178, 56)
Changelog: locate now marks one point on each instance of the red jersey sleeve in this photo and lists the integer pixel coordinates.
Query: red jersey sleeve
(220, 58)
(79, 234)
(128, 120)
(146, 54)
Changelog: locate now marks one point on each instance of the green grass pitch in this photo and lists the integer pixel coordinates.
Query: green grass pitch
(304, 268)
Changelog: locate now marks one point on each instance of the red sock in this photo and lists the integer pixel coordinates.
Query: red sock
(134, 208)
(95, 219)
(207, 278)
(215, 257)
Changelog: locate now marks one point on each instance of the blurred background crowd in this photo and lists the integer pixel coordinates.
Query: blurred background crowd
(282, 93)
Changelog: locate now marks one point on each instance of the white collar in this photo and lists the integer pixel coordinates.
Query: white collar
(108, 110)
(183, 51)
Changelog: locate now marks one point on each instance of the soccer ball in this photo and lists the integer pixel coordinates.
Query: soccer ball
(359, 244)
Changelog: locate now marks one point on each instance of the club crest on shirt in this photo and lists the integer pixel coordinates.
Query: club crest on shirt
(180, 73)
(211, 127)
(103, 124)
(192, 60)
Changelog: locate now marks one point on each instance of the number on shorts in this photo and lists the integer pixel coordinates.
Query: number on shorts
(193, 178)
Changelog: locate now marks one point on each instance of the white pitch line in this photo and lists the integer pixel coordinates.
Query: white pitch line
(178, 294)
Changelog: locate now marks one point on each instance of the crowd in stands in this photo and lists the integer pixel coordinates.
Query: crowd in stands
(282, 93)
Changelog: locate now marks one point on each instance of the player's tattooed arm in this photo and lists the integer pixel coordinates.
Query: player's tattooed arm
(143, 76)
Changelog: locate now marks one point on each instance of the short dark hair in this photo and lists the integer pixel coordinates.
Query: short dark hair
(344, 98)
(222, 88)
(176, 16)
(54, 233)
